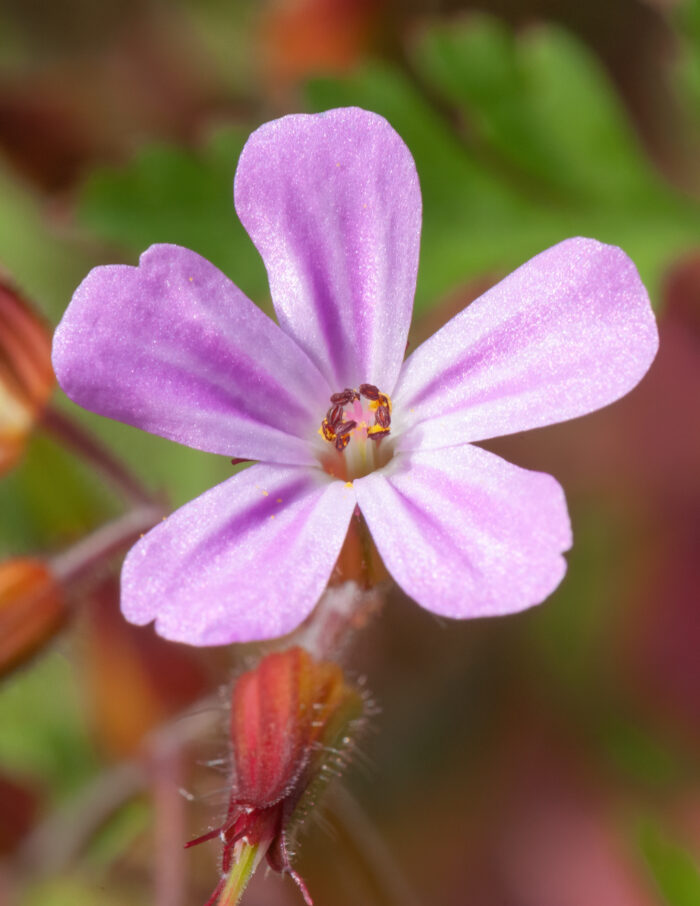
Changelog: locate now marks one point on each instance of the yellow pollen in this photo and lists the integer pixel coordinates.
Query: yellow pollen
(348, 484)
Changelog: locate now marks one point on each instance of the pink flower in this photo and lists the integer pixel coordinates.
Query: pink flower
(332, 203)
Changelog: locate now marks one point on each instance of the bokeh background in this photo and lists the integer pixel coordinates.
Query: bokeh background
(546, 759)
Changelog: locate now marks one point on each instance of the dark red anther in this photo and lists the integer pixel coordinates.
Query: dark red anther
(345, 428)
(342, 441)
(345, 396)
(334, 415)
(370, 391)
(327, 430)
(383, 417)
(377, 435)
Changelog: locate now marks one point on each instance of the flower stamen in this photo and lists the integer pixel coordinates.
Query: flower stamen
(345, 397)
(337, 429)
(370, 391)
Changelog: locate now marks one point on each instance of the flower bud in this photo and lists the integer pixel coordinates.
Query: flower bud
(32, 610)
(26, 375)
(292, 724)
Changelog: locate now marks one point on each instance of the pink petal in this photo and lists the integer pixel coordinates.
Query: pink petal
(333, 204)
(465, 533)
(247, 560)
(173, 347)
(568, 332)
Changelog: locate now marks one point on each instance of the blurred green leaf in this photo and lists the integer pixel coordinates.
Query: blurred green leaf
(169, 194)
(638, 754)
(49, 499)
(530, 145)
(673, 868)
(76, 890)
(43, 731)
(44, 262)
(119, 833)
(543, 103)
(688, 63)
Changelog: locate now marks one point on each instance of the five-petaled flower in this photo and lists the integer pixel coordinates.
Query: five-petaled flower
(325, 401)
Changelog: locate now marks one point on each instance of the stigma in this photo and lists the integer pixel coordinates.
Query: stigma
(364, 414)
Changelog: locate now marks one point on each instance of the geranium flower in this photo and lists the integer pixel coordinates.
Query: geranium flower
(325, 401)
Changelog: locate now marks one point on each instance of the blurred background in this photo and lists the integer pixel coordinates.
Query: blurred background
(545, 759)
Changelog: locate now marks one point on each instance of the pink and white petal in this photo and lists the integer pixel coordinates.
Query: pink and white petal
(333, 204)
(247, 560)
(173, 347)
(465, 533)
(567, 333)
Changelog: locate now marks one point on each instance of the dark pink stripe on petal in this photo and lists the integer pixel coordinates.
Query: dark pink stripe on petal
(333, 204)
(465, 533)
(247, 560)
(173, 347)
(567, 333)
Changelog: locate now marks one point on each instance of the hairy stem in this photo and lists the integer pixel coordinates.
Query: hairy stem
(342, 610)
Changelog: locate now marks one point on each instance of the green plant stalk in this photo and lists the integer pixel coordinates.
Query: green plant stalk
(247, 860)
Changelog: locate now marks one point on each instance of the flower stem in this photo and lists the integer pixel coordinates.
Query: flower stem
(342, 611)
(71, 434)
(169, 874)
(248, 858)
(387, 876)
(91, 552)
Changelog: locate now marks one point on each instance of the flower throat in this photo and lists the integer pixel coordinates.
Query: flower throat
(360, 415)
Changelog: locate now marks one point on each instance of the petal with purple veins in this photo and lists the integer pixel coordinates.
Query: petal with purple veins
(247, 560)
(465, 533)
(174, 348)
(567, 333)
(333, 204)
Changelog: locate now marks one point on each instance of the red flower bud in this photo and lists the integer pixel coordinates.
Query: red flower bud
(32, 610)
(26, 376)
(291, 724)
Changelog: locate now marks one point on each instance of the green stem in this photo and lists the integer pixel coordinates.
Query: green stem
(247, 860)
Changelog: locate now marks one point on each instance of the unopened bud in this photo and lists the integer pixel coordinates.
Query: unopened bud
(26, 375)
(32, 610)
(293, 720)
